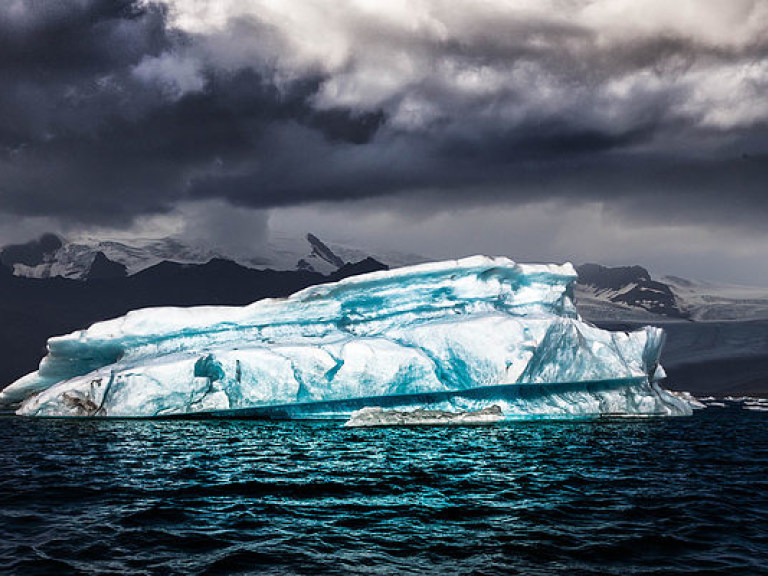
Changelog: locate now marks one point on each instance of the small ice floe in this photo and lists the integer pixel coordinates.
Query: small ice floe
(744, 402)
(375, 416)
(756, 407)
(690, 399)
(756, 404)
(713, 402)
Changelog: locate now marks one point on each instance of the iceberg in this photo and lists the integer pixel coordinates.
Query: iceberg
(455, 336)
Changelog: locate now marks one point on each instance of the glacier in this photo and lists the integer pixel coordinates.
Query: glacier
(455, 336)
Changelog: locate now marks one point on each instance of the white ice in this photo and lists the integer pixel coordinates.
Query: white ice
(455, 335)
(373, 416)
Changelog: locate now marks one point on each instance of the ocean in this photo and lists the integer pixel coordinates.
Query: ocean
(653, 496)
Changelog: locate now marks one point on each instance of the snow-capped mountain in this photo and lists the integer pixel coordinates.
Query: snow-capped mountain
(625, 293)
(50, 256)
(289, 252)
(320, 259)
(629, 293)
(622, 292)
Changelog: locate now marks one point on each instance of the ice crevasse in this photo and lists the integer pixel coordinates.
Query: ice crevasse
(458, 335)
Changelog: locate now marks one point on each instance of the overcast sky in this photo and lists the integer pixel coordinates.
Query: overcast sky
(614, 131)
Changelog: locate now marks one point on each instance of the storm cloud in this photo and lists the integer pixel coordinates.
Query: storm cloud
(111, 110)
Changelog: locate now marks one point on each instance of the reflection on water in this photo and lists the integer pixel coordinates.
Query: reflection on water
(665, 496)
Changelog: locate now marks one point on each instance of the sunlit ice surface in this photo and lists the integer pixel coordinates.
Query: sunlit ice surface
(453, 336)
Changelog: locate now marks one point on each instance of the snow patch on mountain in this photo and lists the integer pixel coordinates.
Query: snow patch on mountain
(74, 259)
(706, 301)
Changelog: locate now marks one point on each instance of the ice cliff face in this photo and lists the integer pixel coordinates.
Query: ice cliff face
(457, 335)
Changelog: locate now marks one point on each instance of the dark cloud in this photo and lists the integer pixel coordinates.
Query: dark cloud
(48, 41)
(86, 140)
(113, 109)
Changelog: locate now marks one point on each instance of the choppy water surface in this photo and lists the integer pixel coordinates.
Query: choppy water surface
(664, 496)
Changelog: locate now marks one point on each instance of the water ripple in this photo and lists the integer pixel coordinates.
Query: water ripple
(677, 496)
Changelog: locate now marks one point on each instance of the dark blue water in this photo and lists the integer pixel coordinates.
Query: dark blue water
(664, 496)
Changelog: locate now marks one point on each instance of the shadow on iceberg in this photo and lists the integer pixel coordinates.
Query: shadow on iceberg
(451, 336)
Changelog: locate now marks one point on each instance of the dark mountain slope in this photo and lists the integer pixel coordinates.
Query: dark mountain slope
(102, 268)
(629, 286)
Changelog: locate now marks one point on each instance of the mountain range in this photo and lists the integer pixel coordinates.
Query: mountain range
(51, 256)
(717, 334)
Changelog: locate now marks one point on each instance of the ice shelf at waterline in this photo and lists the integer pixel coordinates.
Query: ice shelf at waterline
(456, 336)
